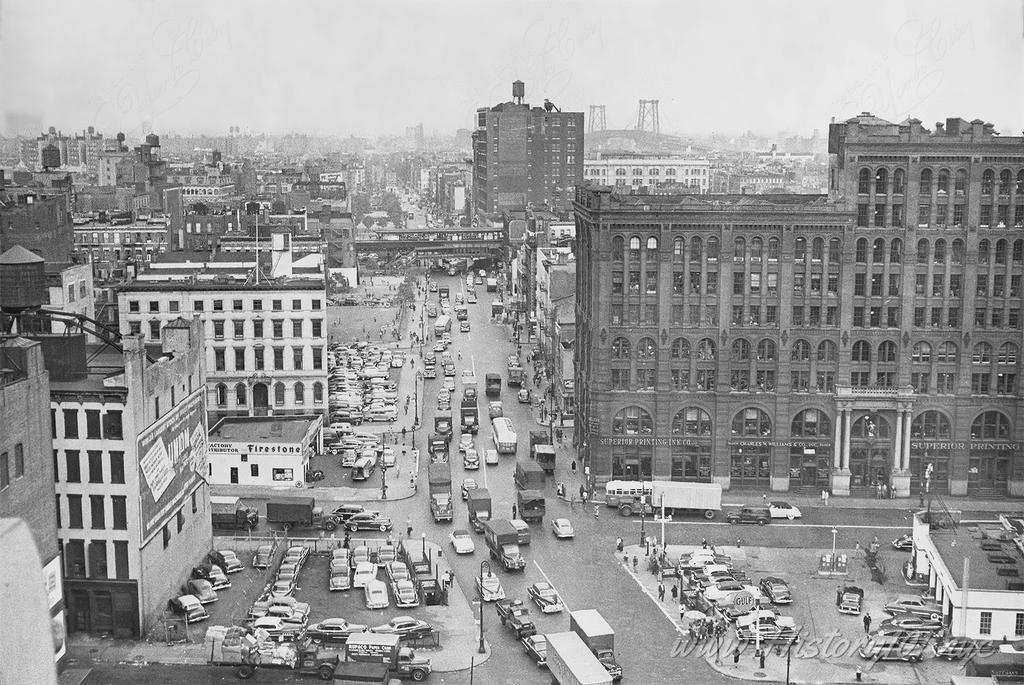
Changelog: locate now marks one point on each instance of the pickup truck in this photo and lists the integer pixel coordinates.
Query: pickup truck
(516, 617)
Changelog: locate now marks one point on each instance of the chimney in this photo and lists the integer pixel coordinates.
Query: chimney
(977, 126)
(915, 128)
(988, 129)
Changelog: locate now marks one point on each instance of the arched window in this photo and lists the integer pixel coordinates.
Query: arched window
(835, 251)
(983, 252)
(922, 352)
(931, 424)
(870, 426)
(773, 249)
(621, 349)
(800, 249)
(680, 348)
(706, 350)
(887, 351)
(756, 247)
(646, 350)
(982, 353)
(241, 395)
(766, 351)
(926, 182)
(278, 393)
(1000, 252)
(896, 251)
(827, 351)
(801, 351)
(618, 248)
(752, 421)
(632, 421)
(300, 393)
(943, 183)
(864, 181)
(957, 255)
(634, 248)
(878, 251)
(1005, 182)
(939, 255)
(677, 248)
(922, 251)
(1020, 182)
(960, 182)
(222, 395)
(991, 425)
(712, 249)
(988, 179)
(652, 249)
(696, 249)
(739, 250)
(861, 351)
(947, 352)
(811, 423)
(740, 350)
(318, 393)
(818, 249)
(861, 251)
(881, 182)
(692, 421)
(1007, 353)
(899, 182)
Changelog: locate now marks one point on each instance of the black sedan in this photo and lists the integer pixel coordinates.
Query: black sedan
(333, 630)
(406, 627)
(368, 520)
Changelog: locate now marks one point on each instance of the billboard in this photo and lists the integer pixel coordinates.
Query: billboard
(172, 460)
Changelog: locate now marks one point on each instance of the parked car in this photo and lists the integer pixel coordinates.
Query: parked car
(213, 573)
(278, 628)
(851, 600)
(955, 648)
(909, 604)
(368, 520)
(536, 647)
(489, 587)
(776, 590)
(491, 457)
(201, 589)
(365, 573)
(406, 627)
(405, 593)
(283, 588)
(188, 606)
(261, 559)
(462, 541)
(759, 515)
(545, 597)
(295, 554)
(333, 630)
(562, 528)
(226, 559)
(397, 570)
(375, 593)
(340, 580)
(904, 543)
(524, 396)
(891, 648)
(911, 623)
(783, 510)
(386, 554)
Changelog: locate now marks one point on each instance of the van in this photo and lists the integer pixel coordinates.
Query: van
(363, 468)
(189, 607)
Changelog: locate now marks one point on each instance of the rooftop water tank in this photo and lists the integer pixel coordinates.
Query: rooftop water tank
(22, 280)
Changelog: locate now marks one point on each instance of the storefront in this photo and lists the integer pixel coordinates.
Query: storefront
(990, 455)
(631, 445)
(103, 607)
(871, 452)
(750, 451)
(932, 451)
(690, 449)
(262, 451)
(810, 451)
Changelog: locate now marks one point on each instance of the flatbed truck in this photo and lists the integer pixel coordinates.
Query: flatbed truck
(572, 663)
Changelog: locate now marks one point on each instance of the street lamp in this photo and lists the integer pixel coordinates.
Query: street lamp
(416, 398)
(423, 537)
(835, 532)
(483, 564)
(384, 482)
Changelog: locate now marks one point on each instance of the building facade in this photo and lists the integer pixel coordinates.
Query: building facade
(636, 171)
(867, 344)
(526, 156)
(247, 450)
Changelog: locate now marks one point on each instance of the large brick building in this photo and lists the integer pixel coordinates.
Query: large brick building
(786, 342)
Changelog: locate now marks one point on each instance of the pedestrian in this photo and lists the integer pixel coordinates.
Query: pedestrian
(515, 511)
(827, 495)
(585, 496)
(764, 498)
(572, 501)
(839, 595)
(581, 492)
(824, 497)
(661, 592)
(867, 623)
(892, 492)
(408, 528)
(675, 592)
(618, 544)
(636, 562)
(573, 466)
(403, 427)
(597, 512)
(703, 543)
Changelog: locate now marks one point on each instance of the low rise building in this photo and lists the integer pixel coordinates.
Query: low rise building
(247, 450)
(636, 171)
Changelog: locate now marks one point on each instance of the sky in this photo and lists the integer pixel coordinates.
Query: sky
(372, 67)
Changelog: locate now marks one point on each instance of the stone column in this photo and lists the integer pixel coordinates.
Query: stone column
(841, 474)
(901, 474)
(897, 461)
(837, 453)
(847, 421)
(906, 443)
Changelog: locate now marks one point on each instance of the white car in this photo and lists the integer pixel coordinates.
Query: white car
(376, 595)
(784, 510)
(489, 587)
(366, 572)
(562, 528)
(462, 541)
(725, 593)
(490, 457)
(388, 458)
(471, 460)
(405, 594)
(465, 442)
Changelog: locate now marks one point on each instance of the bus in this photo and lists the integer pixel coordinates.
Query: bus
(442, 325)
(504, 435)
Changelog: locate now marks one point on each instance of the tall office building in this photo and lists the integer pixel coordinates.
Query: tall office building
(526, 156)
(786, 342)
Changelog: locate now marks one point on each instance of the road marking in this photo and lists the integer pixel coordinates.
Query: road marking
(783, 525)
(535, 563)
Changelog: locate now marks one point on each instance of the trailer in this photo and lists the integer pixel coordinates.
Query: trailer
(300, 512)
(439, 479)
(531, 505)
(629, 497)
(572, 663)
(503, 544)
(529, 476)
(595, 632)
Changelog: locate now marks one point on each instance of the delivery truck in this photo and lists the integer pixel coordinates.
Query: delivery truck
(572, 663)
(478, 504)
(493, 384)
(300, 512)
(599, 637)
(677, 498)
(502, 540)
(470, 415)
(439, 479)
(531, 505)
(236, 647)
(516, 374)
(229, 513)
(529, 476)
(366, 654)
(542, 451)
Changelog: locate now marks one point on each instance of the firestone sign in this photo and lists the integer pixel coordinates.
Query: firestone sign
(255, 448)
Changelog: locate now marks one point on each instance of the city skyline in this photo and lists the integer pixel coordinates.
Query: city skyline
(796, 69)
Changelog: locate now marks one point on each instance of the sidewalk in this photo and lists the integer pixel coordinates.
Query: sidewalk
(455, 622)
(736, 497)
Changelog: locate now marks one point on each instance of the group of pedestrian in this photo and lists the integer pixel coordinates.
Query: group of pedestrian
(884, 491)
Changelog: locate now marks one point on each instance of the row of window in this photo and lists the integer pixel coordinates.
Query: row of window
(751, 422)
(273, 356)
(6, 475)
(218, 305)
(742, 250)
(98, 518)
(241, 394)
(113, 473)
(105, 425)
(930, 181)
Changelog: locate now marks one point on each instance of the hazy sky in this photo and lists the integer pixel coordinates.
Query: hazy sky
(371, 67)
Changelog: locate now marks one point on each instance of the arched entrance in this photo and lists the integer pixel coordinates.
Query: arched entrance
(260, 399)
(871, 454)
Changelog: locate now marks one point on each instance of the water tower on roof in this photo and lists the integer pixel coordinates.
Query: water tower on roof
(518, 92)
(51, 157)
(22, 285)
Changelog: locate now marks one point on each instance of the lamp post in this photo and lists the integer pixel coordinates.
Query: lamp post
(835, 532)
(483, 564)
(423, 538)
(384, 482)
(416, 398)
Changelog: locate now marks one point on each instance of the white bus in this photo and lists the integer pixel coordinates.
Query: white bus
(504, 435)
(442, 325)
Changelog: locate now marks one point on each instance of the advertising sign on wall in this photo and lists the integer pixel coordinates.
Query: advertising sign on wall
(172, 460)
